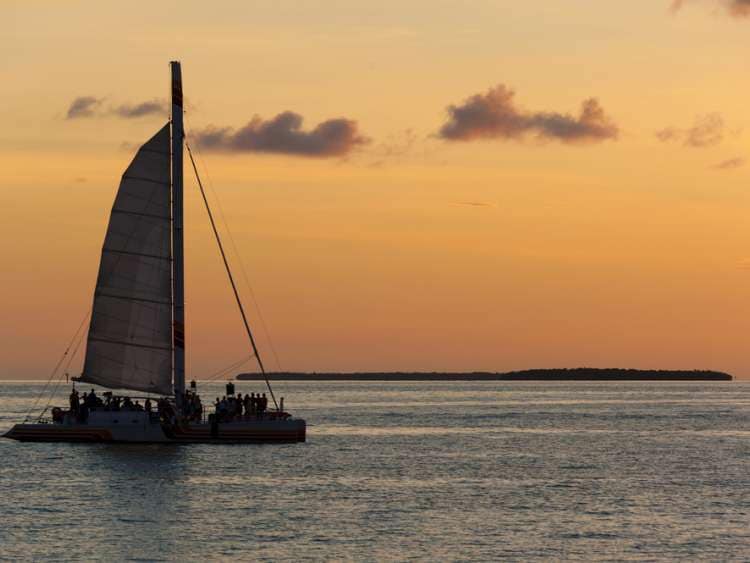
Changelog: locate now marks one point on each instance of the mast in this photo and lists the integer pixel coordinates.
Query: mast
(178, 256)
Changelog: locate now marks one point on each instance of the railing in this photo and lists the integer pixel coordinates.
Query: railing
(155, 415)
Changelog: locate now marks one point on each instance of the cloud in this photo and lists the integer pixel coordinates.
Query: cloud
(707, 130)
(90, 106)
(735, 8)
(283, 134)
(398, 144)
(151, 107)
(83, 106)
(474, 203)
(669, 134)
(730, 164)
(740, 8)
(494, 115)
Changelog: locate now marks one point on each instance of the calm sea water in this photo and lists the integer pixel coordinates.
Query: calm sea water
(429, 471)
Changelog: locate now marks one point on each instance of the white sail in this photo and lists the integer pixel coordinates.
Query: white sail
(130, 338)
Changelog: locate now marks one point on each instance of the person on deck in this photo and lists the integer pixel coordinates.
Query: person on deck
(240, 405)
(198, 409)
(147, 405)
(83, 411)
(74, 401)
(248, 405)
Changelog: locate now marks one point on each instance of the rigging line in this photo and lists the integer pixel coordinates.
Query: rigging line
(73, 355)
(235, 365)
(63, 373)
(57, 366)
(239, 259)
(231, 278)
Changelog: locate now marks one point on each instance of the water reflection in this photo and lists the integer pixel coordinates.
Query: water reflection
(435, 472)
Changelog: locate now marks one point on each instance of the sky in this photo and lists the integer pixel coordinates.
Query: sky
(421, 185)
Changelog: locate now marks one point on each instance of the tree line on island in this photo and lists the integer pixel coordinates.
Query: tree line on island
(564, 374)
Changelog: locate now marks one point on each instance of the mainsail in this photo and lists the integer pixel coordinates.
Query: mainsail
(130, 338)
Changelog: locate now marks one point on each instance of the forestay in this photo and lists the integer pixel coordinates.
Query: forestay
(130, 338)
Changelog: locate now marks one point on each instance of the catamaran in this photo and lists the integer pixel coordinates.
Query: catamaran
(136, 336)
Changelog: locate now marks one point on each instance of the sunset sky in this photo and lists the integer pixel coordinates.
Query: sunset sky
(419, 185)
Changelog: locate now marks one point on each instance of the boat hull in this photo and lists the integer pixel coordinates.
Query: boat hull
(240, 432)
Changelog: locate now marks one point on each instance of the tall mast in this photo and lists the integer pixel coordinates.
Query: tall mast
(178, 268)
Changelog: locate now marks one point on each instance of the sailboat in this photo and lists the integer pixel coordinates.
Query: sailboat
(136, 336)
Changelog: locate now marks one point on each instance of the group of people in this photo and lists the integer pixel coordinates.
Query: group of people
(233, 408)
(82, 405)
(192, 408)
(228, 408)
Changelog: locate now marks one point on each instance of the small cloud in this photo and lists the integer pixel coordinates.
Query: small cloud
(494, 115)
(80, 180)
(744, 264)
(130, 111)
(398, 144)
(474, 203)
(735, 8)
(707, 131)
(128, 146)
(396, 147)
(283, 134)
(90, 106)
(730, 164)
(668, 134)
(740, 8)
(83, 106)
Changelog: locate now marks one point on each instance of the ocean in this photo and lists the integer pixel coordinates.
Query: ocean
(406, 471)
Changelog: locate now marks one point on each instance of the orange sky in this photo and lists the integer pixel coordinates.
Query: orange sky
(410, 252)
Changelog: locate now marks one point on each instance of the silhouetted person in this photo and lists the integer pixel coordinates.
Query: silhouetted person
(247, 404)
(74, 401)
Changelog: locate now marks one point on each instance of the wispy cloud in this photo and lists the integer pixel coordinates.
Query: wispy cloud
(283, 134)
(474, 203)
(735, 8)
(739, 8)
(494, 115)
(397, 144)
(151, 107)
(91, 106)
(730, 164)
(707, 130)
(83, 106)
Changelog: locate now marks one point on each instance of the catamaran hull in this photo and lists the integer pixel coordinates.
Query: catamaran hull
(260, 432)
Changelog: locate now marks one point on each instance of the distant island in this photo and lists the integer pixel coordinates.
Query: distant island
(574, 374)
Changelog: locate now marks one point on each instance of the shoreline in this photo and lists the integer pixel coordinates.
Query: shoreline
(576, 374)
